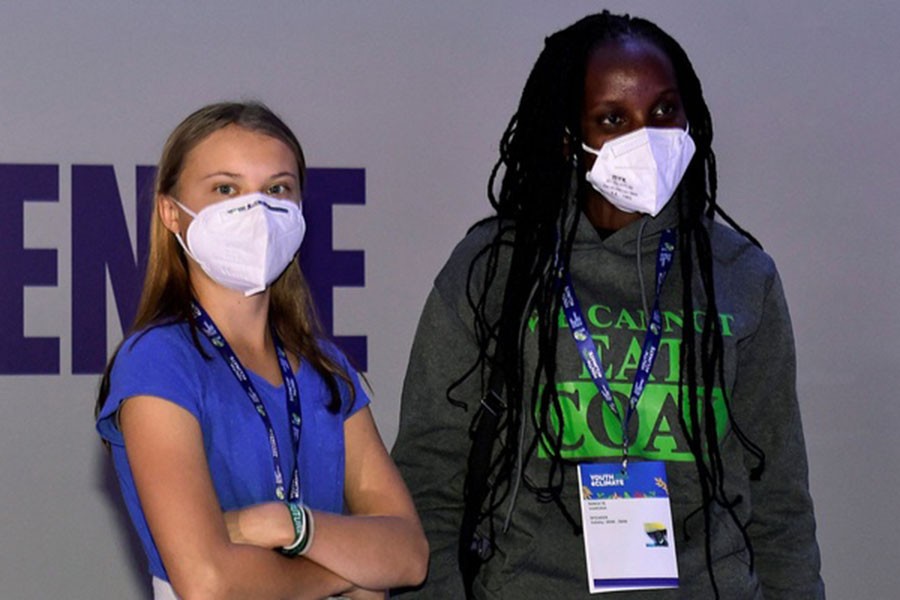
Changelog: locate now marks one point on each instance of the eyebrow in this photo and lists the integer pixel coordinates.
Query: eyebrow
(671, 90)
(283, 174)
(661, 93)
(222, 173)
(238, 176)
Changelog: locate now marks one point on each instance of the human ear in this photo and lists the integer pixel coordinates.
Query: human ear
(168, 213)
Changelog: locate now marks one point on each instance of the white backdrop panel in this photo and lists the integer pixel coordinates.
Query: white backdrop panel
(417, 93)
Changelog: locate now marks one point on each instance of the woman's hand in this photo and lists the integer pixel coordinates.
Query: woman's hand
(266, 525)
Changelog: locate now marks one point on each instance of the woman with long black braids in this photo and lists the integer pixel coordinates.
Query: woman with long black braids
(603, 319)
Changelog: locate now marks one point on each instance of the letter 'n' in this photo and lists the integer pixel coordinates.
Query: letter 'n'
(101, 245)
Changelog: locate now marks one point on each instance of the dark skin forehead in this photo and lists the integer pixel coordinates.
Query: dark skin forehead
(632, 73)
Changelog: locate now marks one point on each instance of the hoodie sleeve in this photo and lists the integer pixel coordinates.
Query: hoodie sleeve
(432, 444)
(782, 526)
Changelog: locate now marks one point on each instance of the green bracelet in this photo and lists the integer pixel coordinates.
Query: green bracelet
(301, 539)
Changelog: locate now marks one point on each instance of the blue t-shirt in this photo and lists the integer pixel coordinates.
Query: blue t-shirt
(164, 362)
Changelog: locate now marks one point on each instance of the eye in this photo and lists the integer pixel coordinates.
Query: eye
(226, 189)
(610, 120)
(665, 111)
(278, 189)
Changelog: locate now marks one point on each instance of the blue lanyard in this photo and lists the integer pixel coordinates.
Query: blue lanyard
(211, 332)
(588, 349)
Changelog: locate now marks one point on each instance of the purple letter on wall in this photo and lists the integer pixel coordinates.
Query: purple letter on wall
(20, 267)
(100, 244)
(324, 267)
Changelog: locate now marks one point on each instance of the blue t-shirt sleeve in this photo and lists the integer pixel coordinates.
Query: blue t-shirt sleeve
(156, 362)
(360, 398)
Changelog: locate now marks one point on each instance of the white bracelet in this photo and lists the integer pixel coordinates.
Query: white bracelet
(299, 519)
(310, 531)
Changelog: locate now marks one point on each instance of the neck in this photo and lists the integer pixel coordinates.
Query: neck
(603, 215)
(243, 321)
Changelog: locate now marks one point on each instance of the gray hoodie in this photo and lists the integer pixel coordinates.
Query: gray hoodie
(539, 556)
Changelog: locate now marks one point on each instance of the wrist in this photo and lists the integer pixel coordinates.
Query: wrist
(303, 528)
(281, 514)
(266, 525)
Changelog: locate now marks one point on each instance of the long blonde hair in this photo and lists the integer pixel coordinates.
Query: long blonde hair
(166, 296)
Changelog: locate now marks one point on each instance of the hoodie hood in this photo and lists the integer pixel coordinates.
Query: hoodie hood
(624, 242)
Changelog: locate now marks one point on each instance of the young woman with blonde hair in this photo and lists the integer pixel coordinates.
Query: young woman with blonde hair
(245, 449)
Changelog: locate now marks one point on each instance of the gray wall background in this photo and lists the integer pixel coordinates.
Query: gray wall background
(805, 101)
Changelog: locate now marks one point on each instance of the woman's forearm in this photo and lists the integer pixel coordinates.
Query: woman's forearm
(245, 572)
(373, 552)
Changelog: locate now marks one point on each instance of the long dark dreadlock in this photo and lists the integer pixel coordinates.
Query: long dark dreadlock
(536, 222)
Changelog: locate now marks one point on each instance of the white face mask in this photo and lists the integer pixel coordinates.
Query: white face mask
(639, 171)
(244, 243)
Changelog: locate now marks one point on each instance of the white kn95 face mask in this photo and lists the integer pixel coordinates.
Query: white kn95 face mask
(639, 171)
(244, 243)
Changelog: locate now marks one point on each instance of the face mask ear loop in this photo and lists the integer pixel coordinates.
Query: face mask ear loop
(178, 237)
(185, 248)
(183, 207)
(586, 148)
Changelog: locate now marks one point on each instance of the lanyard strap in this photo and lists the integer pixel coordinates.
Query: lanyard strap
(587, 349)
(211, 332)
